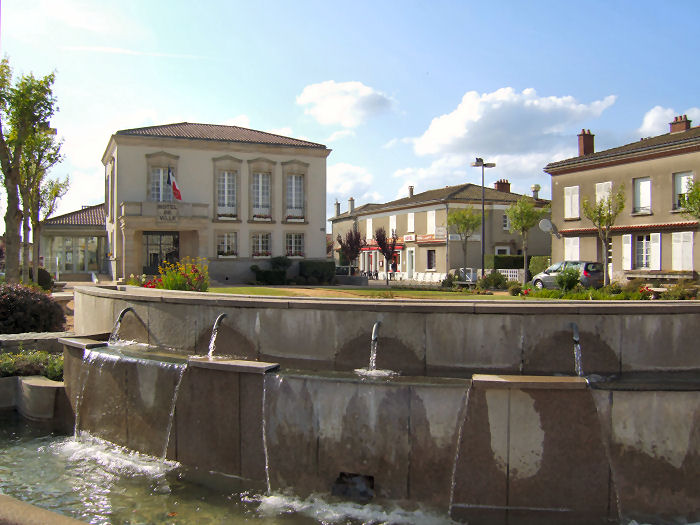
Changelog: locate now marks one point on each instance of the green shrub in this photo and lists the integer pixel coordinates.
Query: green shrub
(192, 276)
(322, 271)
(612, 289)
(503, 262)
(515, 288)
(45, 280)
(567, 279)
(539, 263)
(633, 285)
(32, 363)
(494, 280)
(23, 309)
(269, 277)
(448, 281)
(680, 292)
(280, 263)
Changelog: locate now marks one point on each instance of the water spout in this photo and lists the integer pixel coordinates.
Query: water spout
(113, 337)
(214, 331)
(578, 367)
(373, 347)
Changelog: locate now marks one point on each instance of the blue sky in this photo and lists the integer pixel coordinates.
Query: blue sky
(404, 93)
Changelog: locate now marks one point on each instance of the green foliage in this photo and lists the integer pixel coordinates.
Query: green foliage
(523, 216)
(613, 289)
(280, 263)
(539, 263)
(187, 275)
(32, 363)
(321, 271)
(350, 247)
(567, 279)
(503, 262)
(680, 292)
(24, 309)
(690, 202)
(270, 277)
(495, 280)
(514, 288)
(45, 280)
(448, 281)
(464, 221)
(603, 215)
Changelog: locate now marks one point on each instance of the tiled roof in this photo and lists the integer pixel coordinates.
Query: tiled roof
(88, 216)
(189, 130)
(668, 140)
(463, 192)
(636, 227)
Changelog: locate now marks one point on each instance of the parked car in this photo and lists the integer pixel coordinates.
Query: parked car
(591, 274)
(347, 270)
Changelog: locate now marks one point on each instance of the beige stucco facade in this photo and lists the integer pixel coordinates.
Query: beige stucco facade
(140, 222)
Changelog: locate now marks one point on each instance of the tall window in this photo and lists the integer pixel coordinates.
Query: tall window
(410, 228)
(431, 260)
(681, 183)
(602, 191)
(295, 196)
(642, 195)
(260, 244)
(261, 196)
(227, 244)
(431, 222)
(392, 225)
(369, 232)
(161, 191)
(642, 251)
(295, 244)
(226, 193)
(506, 222)
(571, 202)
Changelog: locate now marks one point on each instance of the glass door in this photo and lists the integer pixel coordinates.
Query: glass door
(159, 247)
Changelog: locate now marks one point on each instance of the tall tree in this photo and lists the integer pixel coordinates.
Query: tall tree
(25, 107)
(464, 221)
(603, 214)
(523, 216)
(387, 245)
(39, 194)
(351, 245)
(690, 201)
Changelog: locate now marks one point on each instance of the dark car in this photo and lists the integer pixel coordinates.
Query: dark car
(591, 274)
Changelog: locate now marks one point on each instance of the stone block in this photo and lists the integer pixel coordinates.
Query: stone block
(8, 393)
(36, 397)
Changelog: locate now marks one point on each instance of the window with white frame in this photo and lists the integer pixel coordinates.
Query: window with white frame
(681, 185)
(502, 250)
(431, 223)
(226, 193)
(410, 218)
(369, 233)
(571, 210)
(602, 191)
(571, 248)
(260, 189)
(392, 225)
(227, 244)
(682, 251)
(642, 251)
(160, 190)
(506, 222)
(295, 244)
(642, 195)
(260, 244)
(295, 196)
(430, 263)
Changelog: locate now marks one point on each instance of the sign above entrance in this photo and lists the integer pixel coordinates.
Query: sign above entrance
(167, 213)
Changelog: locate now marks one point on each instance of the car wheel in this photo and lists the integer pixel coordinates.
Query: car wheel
(538, 284)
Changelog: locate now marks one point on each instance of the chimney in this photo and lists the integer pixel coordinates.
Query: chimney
(410, 191)
(351, 205)
(337, 208)
(502, 185)
(535, 191)
(585, 143)
(680, 123)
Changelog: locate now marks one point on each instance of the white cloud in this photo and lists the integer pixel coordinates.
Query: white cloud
(239, 120)
(347, 104)
(505, 121)
(337, 135)
(656, 120)
(345, 180)
(284, 131)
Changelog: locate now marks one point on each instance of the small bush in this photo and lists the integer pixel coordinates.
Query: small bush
(612, 289)
(269, 277)
(448, 281)
(33, 363)
(322, 271)
(633, 285)
(494, 280)
(192, 276)
(45, 280)
(280, 263)
(680, 292)
(23, 309)
(567, 279)
(515, 289)
(539, 263)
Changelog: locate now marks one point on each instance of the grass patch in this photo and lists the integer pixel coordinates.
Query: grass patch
(367, 293)
(32, 363)
(256, 290)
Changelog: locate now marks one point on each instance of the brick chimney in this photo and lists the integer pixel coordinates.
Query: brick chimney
(502, 185)
(351, 205)
(585, 142)
(337, 208)
(410, 191)
(680, 123)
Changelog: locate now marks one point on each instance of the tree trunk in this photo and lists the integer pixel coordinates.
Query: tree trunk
(464, 249)
(13, 217)
(25, 250)
(386, 271)
(524, 258)
(604, 242)
(35, 251)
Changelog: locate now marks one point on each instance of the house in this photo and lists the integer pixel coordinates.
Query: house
(75, 243)
(420, 223)
(232, 195)
(651, 237)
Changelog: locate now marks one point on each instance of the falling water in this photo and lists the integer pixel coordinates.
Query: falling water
(82, 381)
(264, 437)
(371, 370)
(114, 336)
(214, 332)
(578, 367)
(463, 416)
(171, 417)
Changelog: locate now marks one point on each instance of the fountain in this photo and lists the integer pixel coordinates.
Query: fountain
(371, 370)
(578, 367)
(114, 335)
(214, 332)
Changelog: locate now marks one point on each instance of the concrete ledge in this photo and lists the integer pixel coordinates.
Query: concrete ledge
(529, 382)
(47, 341)
(232, 365)
(85, 343)
(8, 392)
(36, 397)
(15, 512)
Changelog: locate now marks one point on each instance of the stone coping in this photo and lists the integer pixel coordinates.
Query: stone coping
(16, 512)
(529, 382)
(138, 294)
(85, 343)
(232, 365)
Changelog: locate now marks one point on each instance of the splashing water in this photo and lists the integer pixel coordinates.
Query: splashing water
(214, 332)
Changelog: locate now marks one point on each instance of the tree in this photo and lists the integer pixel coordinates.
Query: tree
(387, 248)
(352, 244)
(25, 107)
(690, 201)
(603, 215)
(523, 216)
(39, 194)
(465, 222)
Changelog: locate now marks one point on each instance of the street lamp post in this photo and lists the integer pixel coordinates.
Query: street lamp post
(480, 163)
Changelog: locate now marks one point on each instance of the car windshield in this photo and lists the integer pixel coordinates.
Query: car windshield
(594, 267)
(553, 268)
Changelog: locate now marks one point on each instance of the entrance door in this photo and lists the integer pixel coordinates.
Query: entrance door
(159, 247)
(409, 262)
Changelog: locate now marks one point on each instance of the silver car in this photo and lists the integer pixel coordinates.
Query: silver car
(591, 274)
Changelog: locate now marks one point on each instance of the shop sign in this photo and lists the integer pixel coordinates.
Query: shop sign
(411, 237)
(424, 238)
(167, 213)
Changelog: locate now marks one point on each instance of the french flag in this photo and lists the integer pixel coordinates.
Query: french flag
(173, 184)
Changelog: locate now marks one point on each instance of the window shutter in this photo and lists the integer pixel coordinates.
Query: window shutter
(655, 252)
(627, 252)
(431, 222)
(574, 202)
(571, 249)
(687, 250)
(567, 202)
(677, 251)
(410, 226)
(370, 233)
